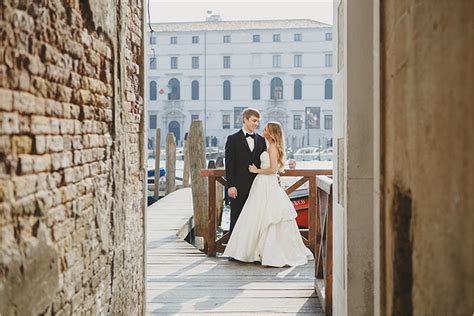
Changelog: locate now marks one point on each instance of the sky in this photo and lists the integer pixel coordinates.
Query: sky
(189, 10)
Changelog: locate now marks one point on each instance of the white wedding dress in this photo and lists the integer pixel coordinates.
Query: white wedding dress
(266, 230)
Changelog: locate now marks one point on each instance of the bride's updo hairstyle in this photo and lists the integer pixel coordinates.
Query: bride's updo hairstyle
(275, 131)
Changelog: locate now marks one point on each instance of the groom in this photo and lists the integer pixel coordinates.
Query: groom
(241, 150)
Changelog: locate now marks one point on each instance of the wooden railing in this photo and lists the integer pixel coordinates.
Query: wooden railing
(324, 255)
(218, 175)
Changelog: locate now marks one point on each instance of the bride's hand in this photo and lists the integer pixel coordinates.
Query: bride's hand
(253, 169)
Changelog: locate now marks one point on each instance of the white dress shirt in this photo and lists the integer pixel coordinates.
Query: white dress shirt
(250, 140)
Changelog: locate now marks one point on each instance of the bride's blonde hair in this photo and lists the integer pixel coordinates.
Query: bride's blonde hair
(275, 131)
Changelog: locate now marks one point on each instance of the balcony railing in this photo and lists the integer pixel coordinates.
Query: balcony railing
(324, 254)
(174, 105)
(276, 103)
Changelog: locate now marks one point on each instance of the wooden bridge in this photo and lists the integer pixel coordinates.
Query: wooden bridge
(183, 280)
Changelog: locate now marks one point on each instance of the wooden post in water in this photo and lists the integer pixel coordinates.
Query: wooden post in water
(170, 163)
(219, 194)
(186, 161)
(157, 163)
(199, 184)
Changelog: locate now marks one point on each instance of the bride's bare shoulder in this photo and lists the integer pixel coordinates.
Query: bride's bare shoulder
(271, 147)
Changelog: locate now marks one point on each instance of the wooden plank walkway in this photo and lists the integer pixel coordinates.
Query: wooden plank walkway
(181, 280)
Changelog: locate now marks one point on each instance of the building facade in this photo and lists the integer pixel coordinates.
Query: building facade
(213, 70)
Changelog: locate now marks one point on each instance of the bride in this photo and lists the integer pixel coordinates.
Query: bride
(266, 230)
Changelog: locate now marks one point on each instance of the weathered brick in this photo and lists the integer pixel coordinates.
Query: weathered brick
(71, 111)
(40, 144)
(42, 183)
(77, 157)
(40, 125)
(78, 127)
(55, 215)
(87, 156)
(51, 65)
(21, 20)
(21, 144)
(94, 140)
(66, 159)
(6, 191)
(73, 48)
(24, 206)
(41, 86)
(67, 126)
(56, 161)
(35, 66)
(24, 185)
(75, 81)
(22, 81)
(61, 160)
(68, 142)
(76, 142)
(55, 126)
(42, 163)
(54, 108)
(90, 112)
(26, 103)
(56, 74)
(9, 123)
(72, 175)
(64, 94)
(24, 123)
(68, 192)
(44, 201)
(54, 143)
(63, 229)
(6, 100)
(73, 256)
(6, 223)
(25, 164)
(54, 179)
(86, 38)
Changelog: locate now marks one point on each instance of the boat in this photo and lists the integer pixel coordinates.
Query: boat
(151, 184)
(299, 198)
(151, 174)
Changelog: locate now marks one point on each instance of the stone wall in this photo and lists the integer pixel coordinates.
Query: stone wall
(71, 157)
(427, 156)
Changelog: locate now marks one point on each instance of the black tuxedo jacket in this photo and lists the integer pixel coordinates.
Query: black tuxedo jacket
(238, 157)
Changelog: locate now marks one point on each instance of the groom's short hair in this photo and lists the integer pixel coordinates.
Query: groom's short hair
(249, 112)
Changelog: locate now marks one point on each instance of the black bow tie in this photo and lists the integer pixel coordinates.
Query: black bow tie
(249, 135)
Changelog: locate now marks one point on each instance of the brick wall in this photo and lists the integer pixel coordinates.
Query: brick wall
(71, 158)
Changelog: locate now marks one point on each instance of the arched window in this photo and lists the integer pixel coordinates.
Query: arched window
(153, 94)
(226, 86)
(173, 85)
(256, 90)
(195, 90)
(297, 89)
(328, 89)
(276, 89)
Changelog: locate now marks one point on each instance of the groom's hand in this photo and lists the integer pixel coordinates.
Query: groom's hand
(232, 192)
